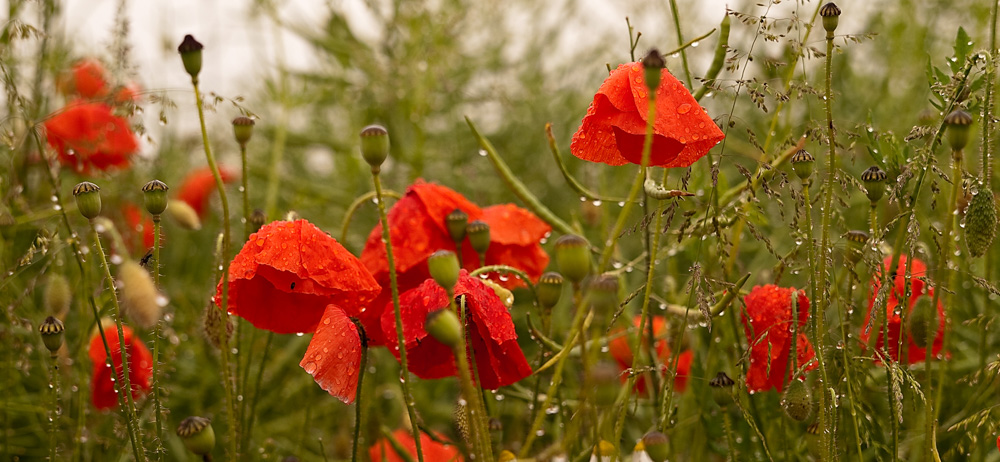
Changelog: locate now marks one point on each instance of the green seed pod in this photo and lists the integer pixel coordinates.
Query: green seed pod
(573, 257)
(549, 289)
(154, 195)
(444, 326)
(190, 50)
(257, 220)
(604, 294)
(57, 296)
(443, 266)
(959, 124)
(923, 323)
(656, 446)
(874, 180)
(802, 164)
(653, 64)
(797, 401)
(243, 129)
(375, 146)
(855, 246)
(831, 17)
(88, 199)
(197, 434)
(980, 221)
(479, 236)
(722, 389)
(457, 221)
(52, 334)
(605, 383)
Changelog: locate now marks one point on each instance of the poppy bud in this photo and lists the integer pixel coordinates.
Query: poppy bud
(549, 289)
(653, 63)
(573, 257)
(190, 50)
(140, 299)
(923, 322)
(855, 245)
(655, 444)
(604, 382)
(257, 220)
(802, 164)
(197, 434)
(374, 146)
(831, 17)
(52, 334)
(154, 195)
(722, 389)
(874, 180)
(980, 221)
(184, 215)
(604, 451)
(444, 326)
(506, 297)
(959, 123)
(88, 199)
(456, 222)
(604, 293)
(243, 129)
(479, 236)
(443, 266)
(57, 296)
(796, 401)
(507, 456)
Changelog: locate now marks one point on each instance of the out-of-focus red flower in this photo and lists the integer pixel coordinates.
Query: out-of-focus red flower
(918, 289)
(622, 352)
(614, 129)
(86, 79)
(491, 335)
(198, 186)
(767, 324)
(89, 137)
(140, 367)
(417, 229)
(382, 450)
(289, 272)
(140, 227)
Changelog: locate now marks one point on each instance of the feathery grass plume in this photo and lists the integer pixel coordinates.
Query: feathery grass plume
(140, 299)
(184, 215)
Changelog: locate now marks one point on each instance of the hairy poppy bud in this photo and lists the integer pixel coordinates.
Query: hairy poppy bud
(479, 236)
(655, 444)
(980, 221)
(802, 164)
(184, 215)
(190, 50)
(88, 199)
(796, 401)
(375, 146)
(653, 63)
(154, 196)
(831, 17)
(722, 389)
(456, 222)
(140, 299)
(573, 257)
(197, 434)
(923, 322)
(855, 245)
(257, 220)
(874, 180)
(57, 296)
(443, 266)
(243, 129)
(549, 289)
(444, 325)
(52, 334)
(959, 123)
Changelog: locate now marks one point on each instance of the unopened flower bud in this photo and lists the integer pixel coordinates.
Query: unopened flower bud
(573, 257)
(959, 123)
(197, 434)
(722, 389)
(653, 64)
(57, 296)
(655, 444)
(88, 199)
(375, 146)
(444, 326)
(831, 17)
(802, 164)
(479, 236)
(52, 334)
(855, 245)
(456, 222)
(190, 50)
(549, 289)
(443, 266)
(874, 180)
(243, 129)
(797, 401)
(154, 195)
(184, 215)
(140, 299)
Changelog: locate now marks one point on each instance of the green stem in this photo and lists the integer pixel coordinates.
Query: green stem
(357, 403)
(852, 404)
(404, 370)
(717, 60)
(680, 41)
(349, 214)
(475, 409)
(157, 407)
(248, 433)
(246, 192)
(53, 417)
(810, 243)
(572, 182)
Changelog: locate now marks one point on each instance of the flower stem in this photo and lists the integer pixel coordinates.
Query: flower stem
(157, 408)
(357, 402)
(404, 370)
(53, 416)
(475, 413)
(246, 192)
(248, 432)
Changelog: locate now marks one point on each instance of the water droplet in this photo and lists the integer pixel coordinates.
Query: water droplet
(684, 108)
(310, 367)
(482, 152)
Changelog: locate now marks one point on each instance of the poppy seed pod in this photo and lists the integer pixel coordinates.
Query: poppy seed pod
(445, 327)
(443, 266)
(243, 129)
(855, 245)
(722, 389)
(655, 444)
(479, 236)
(375, 146)
(457, 221)
(604, 293)
(257, 220)
(52, 334)
(922, 318)
(802, 164)
(88, 199)
(831, 17)
(652, 64)
(154, 196)
(573, 257)
(797, 400)
(874, 180)
(959, 123)
(549, 289)
(190, 50)
(197, 434)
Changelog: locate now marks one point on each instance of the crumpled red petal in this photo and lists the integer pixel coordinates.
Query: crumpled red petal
(382, 450)
(140, 363)
(288, 272)
(88, 136)
(333, 357)
(515, 236)
(918, 289)
(767, 323)
(198, 186)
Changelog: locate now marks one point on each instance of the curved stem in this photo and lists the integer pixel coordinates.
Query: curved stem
(572, 182)
(349, 214)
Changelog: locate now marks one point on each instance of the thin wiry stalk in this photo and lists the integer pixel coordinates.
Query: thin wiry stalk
(157, 407)
(357, 403)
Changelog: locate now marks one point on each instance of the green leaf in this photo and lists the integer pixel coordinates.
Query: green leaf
(963, 45)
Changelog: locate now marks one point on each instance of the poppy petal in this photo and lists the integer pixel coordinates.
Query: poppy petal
(333, 357)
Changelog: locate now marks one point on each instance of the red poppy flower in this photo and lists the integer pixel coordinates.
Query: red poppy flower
(289, 272)
(491, 335)
(918, 289)
(767, 324)
(198, 186)
(88, 137)
(333, 357)
(382, 450)
(140, 367)
(622, 352)
(417, 229)
(140, 227)
(87, 79)
(614, 129)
